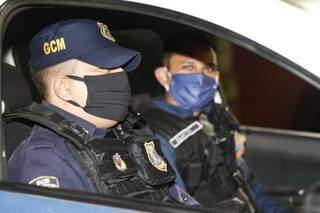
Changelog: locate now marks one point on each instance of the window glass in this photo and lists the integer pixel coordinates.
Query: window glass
(261, 93)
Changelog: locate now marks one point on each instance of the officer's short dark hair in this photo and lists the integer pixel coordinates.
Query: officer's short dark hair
(192, 45)
(39, 80)
(43, 78)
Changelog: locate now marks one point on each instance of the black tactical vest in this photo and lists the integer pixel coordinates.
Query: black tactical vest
(128, 162)
(208, 171)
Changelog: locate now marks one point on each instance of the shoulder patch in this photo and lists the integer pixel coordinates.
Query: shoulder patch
(184, 134)
(45, 181)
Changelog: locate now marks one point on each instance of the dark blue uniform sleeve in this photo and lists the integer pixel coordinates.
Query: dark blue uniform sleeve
(169, 152)
(265, 203)
(182, 196)
(42, 166)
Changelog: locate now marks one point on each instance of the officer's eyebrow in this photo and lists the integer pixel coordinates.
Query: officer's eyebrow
(188, 62)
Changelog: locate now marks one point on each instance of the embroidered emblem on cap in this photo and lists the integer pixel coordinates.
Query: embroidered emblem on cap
(105, 32)
(118, 162)
(154, 158)
(45, 181)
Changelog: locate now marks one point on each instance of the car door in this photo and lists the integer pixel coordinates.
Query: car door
(284, 161)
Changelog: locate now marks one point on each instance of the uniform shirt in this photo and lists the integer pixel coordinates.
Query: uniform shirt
(43, 159)
(167, 149)
(263, 202)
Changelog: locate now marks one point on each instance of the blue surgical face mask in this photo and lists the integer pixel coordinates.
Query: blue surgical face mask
(192, 91)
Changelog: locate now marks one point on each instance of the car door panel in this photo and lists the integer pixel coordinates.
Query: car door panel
(282, 159)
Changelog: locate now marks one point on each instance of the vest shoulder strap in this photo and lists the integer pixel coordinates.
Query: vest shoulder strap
(51, 120)
(174, 129)
(165, 123)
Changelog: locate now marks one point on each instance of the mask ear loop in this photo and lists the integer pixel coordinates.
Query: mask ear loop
(77, 78)
(167, 87)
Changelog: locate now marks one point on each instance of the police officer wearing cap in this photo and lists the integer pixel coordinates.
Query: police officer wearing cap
(84, 137)
(198, 136)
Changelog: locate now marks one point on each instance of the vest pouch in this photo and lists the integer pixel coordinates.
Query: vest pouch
(113, 161)
(153, 167)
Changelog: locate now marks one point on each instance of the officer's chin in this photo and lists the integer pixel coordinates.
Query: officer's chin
(101, 123)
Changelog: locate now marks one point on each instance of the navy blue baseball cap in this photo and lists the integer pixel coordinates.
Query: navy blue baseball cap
(83, 39)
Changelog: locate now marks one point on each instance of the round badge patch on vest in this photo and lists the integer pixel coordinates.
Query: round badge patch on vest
(154, 158)
(105, 32)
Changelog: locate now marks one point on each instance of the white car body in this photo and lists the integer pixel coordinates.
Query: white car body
(279, 26)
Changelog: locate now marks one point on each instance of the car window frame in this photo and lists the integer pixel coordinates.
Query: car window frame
(71, 196)
(11, 8)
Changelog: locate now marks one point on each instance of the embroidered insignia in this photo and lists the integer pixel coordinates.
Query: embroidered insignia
(105, 32)
(45, 181)
(154, 157)
(184, 134)
(118, 162)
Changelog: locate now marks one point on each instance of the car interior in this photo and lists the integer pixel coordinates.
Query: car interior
(281, 152)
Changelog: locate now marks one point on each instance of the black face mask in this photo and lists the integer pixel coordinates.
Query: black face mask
(109, 95)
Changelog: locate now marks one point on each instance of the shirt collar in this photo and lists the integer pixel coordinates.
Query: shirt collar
(92, 130)
(161, 103)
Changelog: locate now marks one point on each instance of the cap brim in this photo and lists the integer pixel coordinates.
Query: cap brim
(113, 57)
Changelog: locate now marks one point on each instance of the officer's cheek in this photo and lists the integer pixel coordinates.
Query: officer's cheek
(79, 93)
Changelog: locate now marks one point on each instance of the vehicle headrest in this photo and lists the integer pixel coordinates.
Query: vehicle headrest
(15, 90)
(141, 103)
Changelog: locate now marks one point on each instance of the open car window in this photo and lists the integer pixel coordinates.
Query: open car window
(263, 94)
(259, 92)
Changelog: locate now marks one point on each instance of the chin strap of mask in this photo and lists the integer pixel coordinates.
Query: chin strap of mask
(225, 127)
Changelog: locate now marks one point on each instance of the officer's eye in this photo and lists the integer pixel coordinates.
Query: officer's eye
(189, 68)
(208, 69)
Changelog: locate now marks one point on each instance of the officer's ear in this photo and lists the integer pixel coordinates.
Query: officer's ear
(163, 77)
(62, 87)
